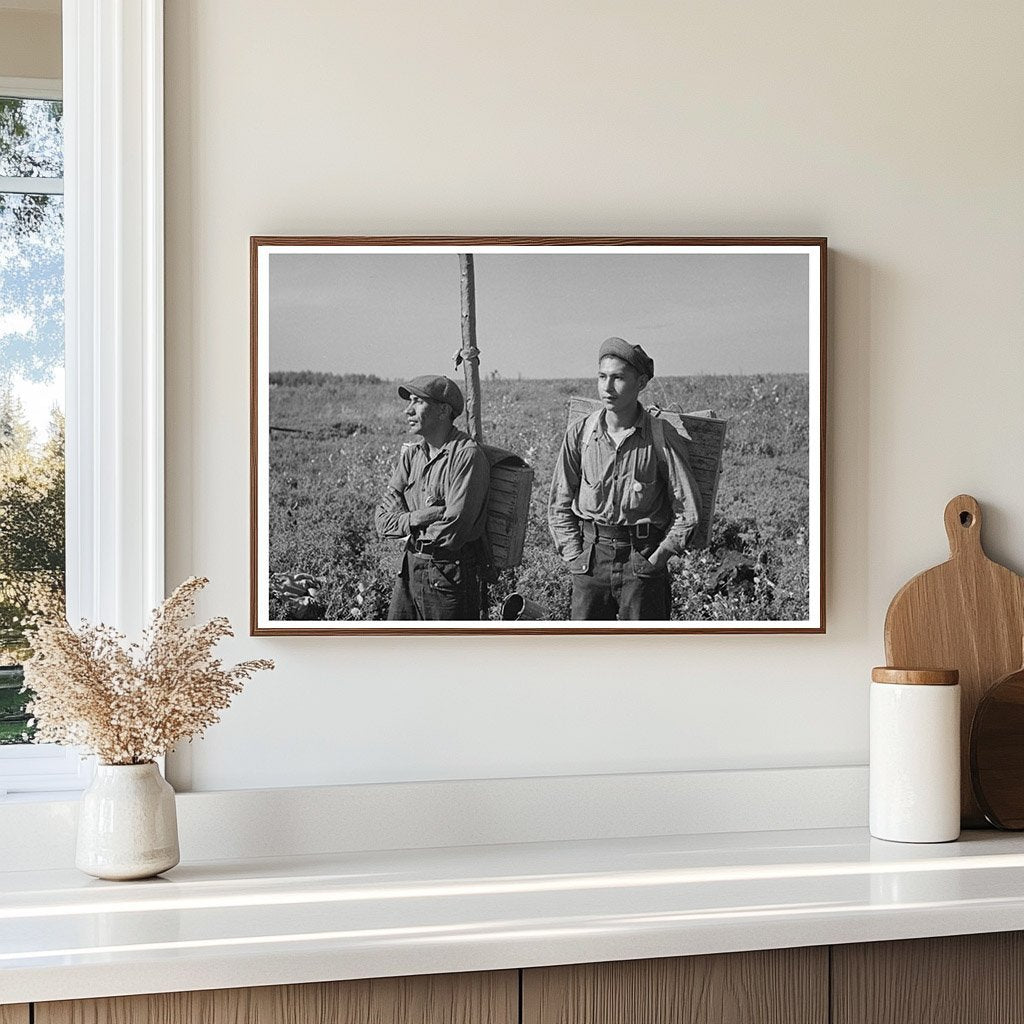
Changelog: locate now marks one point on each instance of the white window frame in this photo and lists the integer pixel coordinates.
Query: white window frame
(114, 326)
(32, 88)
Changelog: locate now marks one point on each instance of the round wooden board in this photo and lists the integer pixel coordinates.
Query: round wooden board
(997, 752)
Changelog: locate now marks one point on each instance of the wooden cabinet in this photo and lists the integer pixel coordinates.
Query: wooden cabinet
(967, 979)
(481, 998)
(776, 986)
(962, 979)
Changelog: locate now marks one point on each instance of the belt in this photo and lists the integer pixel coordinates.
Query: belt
(417, 550)
(645, 532)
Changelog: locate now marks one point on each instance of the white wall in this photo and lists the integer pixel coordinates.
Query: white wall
(894, 129)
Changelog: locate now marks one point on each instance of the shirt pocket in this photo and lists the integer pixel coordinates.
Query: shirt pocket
(592, 487)
(589, 498)
(641, 497)
(642, 491)
(412, 481)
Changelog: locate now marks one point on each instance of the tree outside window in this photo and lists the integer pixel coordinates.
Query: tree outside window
(32, 542)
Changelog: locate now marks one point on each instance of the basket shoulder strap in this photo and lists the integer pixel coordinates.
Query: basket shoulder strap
(589, 426)
(658, 434)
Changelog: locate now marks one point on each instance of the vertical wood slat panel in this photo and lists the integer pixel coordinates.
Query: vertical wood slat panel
(477, 998)
(959, 979)
(16, 1013)
(777, 986)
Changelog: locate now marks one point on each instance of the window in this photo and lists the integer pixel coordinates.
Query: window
(32, 533)
(113, 333)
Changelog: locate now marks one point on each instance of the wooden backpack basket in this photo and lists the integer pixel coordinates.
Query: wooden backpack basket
(704, 434)
(508, 506)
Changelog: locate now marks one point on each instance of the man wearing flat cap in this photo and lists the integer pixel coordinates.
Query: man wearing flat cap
(623, 497)
(437, 500)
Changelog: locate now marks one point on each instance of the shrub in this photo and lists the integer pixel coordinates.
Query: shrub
(325, 484)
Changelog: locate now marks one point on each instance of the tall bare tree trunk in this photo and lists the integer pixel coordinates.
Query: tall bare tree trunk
(470, 353)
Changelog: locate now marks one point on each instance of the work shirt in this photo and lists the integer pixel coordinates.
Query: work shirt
(456, 477)
(622, 486)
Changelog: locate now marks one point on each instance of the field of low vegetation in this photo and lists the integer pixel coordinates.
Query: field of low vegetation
(336, 438)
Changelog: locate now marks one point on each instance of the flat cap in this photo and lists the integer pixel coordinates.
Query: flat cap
(436, 389)
(632, 354)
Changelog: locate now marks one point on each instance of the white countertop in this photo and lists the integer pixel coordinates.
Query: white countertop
(223, 924)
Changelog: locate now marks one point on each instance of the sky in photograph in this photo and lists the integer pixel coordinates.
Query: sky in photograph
(539, 315)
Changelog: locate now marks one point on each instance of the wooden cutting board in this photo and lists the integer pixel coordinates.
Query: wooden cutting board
(967, 614)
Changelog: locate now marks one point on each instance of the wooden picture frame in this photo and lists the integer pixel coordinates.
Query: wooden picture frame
(737, 331)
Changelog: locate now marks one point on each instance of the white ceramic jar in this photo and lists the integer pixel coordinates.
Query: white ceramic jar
(915, 755)
(127, 823)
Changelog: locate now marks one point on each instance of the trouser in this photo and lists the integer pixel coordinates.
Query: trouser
(432, 590)
(613, 580)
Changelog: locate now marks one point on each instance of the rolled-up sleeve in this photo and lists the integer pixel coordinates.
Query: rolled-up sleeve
(395, 523)
(469, 476)
(565, 484)
(685, 496)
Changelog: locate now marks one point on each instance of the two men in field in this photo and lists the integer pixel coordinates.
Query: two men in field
(436, 500)
(623, 499)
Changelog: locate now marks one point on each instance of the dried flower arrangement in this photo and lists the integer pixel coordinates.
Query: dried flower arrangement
(129, 704)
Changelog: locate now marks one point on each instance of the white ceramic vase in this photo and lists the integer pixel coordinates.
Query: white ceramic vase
(127, 825)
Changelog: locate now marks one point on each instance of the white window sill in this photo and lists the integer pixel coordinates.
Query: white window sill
(42, 771)
(47, 797)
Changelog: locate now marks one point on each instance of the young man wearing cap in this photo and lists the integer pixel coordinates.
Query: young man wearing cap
(623, 498)
(437, 500)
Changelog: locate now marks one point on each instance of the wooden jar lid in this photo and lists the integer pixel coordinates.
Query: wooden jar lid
(916, 676)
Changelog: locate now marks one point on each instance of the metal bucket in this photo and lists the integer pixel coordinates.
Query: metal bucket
(518, 608)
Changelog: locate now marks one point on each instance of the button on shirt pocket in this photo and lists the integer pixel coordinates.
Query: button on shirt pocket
(640, 489)
(641, 492)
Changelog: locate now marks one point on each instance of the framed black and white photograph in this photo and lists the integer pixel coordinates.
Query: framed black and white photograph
(537, 435)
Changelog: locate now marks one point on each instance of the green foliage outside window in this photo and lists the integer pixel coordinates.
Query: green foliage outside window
(32, 545)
